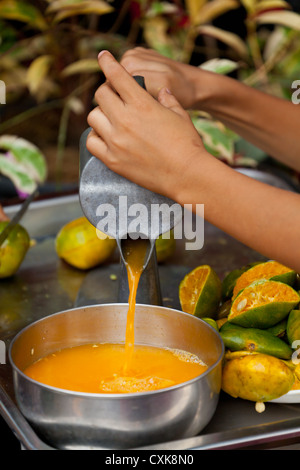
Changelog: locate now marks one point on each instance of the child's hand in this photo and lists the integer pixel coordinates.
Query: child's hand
(161, 72)
(152, 143)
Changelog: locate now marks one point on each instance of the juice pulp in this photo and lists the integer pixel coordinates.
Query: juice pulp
(98, 368)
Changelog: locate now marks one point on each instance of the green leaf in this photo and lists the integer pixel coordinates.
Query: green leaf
(221, 66)
(27, 157)
(17, 175)
(22, 11)
(218, 140)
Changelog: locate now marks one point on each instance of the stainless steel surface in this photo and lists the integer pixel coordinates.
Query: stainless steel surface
(73, 420)
(17, 217)
(45, 285)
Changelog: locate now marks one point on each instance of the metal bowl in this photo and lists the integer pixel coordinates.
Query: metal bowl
(73, 420)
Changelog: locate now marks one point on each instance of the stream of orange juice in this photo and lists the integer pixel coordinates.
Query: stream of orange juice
(118, 368)
(134, 252)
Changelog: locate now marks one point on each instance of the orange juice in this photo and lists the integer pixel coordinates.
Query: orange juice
(134, 253)
(118, 368)
(98, 368)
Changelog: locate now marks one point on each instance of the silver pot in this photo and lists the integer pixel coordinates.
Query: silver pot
(73, 420)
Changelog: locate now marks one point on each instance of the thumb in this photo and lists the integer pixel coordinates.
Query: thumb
(167, 99)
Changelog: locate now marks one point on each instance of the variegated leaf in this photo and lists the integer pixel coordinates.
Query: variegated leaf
(214, 9)
(161, 8)
(81, 66)
(27, 157)
(37, 72)
(22, 11)
(284, 18)
(217, 139)
(269, 5)
(157, 37)
(84, 8)
(193, 7)
(232, 40)
(221, 66)
(17, 175)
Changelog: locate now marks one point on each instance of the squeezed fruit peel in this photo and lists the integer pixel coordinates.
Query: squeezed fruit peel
(200, 292)
(262, 304)
(270, 270)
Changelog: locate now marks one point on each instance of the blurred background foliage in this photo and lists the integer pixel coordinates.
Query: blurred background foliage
(48, 61)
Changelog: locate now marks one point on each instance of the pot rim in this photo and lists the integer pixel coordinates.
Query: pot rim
(112, 395)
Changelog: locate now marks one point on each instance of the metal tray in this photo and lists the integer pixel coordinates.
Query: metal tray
(45, 285)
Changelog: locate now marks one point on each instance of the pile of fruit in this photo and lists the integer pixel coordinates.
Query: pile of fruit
(256, 311)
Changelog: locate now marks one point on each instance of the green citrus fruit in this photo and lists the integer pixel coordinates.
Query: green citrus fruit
(293, 327)
(237, 338)
(279, 329)
(165, 247)
(263, 304)
(257, 377)
(200, 292)
(78, 244)
(271, 270)
(231, 278)
(13, 250)
(211, 322)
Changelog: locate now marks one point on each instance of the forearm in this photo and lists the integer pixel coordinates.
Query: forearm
(262, 217)
(268, 122)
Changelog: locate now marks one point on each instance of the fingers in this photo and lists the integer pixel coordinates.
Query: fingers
(96, 146)
(168, 100)
(108, 100)
(120, 79)
(99, 123)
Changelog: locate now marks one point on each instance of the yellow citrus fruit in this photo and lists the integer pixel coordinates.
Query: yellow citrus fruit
(200, 292)
(263, 304)
(78, 244)
(271, 270)
(13, 250)
(165, 247)
(257, 377)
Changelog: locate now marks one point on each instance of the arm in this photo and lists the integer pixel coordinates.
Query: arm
(154, 144)
(268, 122)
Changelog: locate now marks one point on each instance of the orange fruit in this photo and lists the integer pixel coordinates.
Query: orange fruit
(263, 304)
(78, 244)
(200, 292)
(271, 270)
(13, 250)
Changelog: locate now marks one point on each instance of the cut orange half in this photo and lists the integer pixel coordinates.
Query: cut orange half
(200, 292)
(263, 304)
(271, 270)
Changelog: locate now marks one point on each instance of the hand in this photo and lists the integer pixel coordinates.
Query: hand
(161, 72)
(152, 143)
